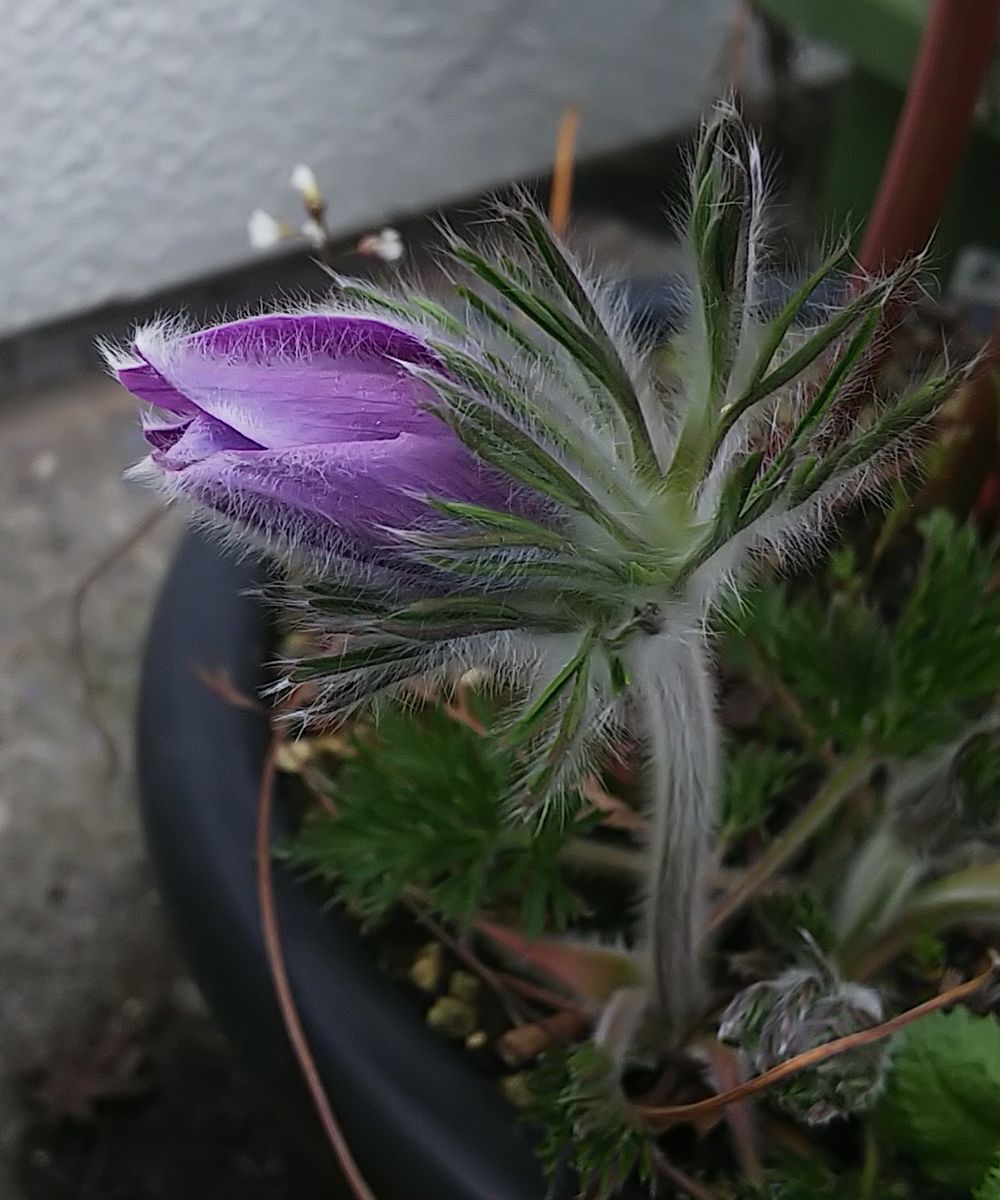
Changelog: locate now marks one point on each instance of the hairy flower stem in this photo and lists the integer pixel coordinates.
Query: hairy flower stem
(793, 839)
(676, 694)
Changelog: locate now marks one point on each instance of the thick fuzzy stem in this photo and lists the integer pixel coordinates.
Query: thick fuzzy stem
(673, 683)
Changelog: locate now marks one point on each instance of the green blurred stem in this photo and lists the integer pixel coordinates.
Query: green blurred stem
(590, 857)
(793, 839)
(882, 875)
(869, 1165)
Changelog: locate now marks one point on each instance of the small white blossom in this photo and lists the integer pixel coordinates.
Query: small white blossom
(386, 244)
(304, 182)
(264, 231)
(314, 233)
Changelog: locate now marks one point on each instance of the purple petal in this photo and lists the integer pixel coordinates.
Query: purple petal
(317, 494)
(285, 381)
(180, 444)
(148, 384)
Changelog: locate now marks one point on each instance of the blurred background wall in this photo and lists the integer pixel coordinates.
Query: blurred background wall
(136, 134)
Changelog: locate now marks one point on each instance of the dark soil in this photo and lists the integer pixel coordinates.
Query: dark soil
(163, 1114)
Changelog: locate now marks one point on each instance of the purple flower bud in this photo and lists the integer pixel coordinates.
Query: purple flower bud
(310, 430)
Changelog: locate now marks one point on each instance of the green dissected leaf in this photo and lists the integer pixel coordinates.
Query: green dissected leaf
(538, 239)
(420, 807)
(833, 656)
(779, 326)
(979, 773)
(447, 617)
(735, 492)
(537, 712)
(818, 341)
(905, 415)
(785, 914)
(942, 1103)
(482, 381)
(550, 756)
(756, 779)
(512, 395)
(585, 1122)
(531, 532)
(811, 1178)
(440, 315)
(718, 214)
(826, 396)
(371, 297)
(945, 642)
(394, 652)
(514, 451)
(581, 344)
(901, 685)
(345, 599)
(504, 324)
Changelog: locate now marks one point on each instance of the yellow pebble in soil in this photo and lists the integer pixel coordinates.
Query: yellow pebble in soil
(452, 1017)
(464, 985)
(425, 971)
(291, 757)
(517, 1089)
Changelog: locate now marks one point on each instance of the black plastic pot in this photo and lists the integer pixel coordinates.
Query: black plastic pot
(423, 1122)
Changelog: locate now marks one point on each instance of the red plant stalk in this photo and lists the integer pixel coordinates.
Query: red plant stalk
(955, 53)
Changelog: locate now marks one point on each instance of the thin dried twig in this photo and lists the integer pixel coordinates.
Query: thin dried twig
(732, 67)
(219, 682)
(728, 1072)
(511, 1004)
(283, 988)
(561, 194)
(77, 641)
(543, 995)
(659, 1117)
(681, 1179)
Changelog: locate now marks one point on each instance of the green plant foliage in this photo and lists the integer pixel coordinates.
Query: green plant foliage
(945, 647)
(786, 915)
(979, 772)
(897, 686)
(942, 1103)
(834, 656)
(585, 1122)
(810, 1178)
(756, 778)
(989, 1188)
(420, 806)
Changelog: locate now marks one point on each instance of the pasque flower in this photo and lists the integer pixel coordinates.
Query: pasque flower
(307, 429)
(509, 483)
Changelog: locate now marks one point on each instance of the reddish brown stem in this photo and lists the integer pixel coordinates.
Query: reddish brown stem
(683, 1182)
(561, 195)
(954, 55)
(283, 988)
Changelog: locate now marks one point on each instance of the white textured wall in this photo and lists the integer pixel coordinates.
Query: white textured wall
(136, 134)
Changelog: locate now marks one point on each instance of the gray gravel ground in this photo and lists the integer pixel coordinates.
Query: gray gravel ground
(79, 922)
